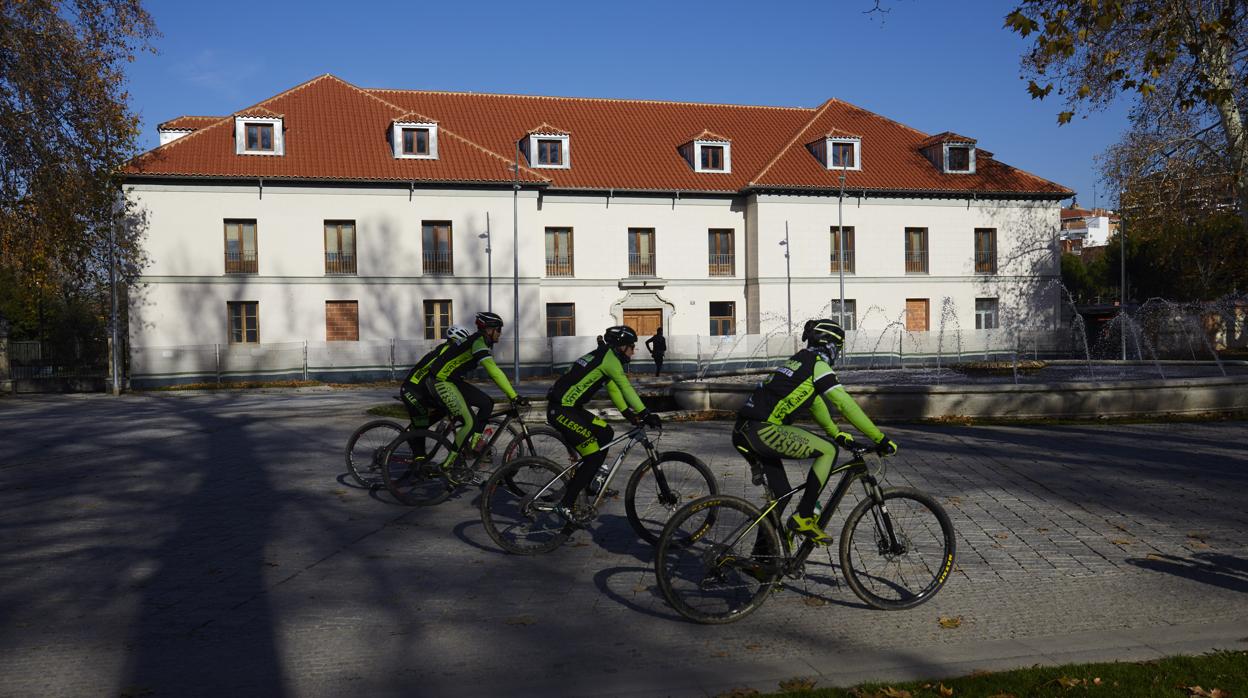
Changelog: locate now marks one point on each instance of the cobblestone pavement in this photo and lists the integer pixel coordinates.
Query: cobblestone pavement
(212, 545)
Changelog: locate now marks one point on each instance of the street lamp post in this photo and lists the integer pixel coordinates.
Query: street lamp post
(840, 234)
(489, 265)
(515, 266)
(788, 278)
(1122, 258)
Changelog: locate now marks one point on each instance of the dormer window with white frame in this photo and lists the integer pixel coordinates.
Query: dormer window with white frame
(549, 150)
(960, 158)
(414, 140)
(838, 151)
(254, 135)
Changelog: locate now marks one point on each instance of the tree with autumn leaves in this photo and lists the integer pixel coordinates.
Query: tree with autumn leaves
(65, 129)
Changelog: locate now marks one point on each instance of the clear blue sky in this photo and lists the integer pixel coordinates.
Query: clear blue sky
(936, 66)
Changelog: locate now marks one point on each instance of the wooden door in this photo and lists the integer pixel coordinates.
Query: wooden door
(645, 322)
(916, 314)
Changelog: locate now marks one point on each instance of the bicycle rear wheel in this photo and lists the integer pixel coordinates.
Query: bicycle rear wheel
(410, 467)
(517, 506)
(718, 559)
(364, 450)
(904, 575)
(658, 488)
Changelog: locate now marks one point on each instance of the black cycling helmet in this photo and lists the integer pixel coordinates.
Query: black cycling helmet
(488, 320)
(825, 334)
(619, 336)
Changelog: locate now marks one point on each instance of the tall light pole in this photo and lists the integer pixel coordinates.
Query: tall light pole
(515, 266)
(788, 278)
(840, 234)
(114, 358)
(489, 265)
(1122, 257)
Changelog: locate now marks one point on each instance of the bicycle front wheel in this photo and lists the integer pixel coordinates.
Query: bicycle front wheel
(898, 555)
(517, 506)
(365, 448)
(718, 559)
(410, 467)
(657, 488)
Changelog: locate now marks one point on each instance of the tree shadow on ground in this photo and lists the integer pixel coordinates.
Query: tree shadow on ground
(1225, 571)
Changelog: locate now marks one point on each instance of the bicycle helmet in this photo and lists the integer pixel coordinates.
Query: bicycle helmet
(457, 334)
(825, 337)
(488, 320)
(619, 336)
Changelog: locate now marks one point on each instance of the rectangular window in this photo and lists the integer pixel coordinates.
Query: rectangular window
(559, 252)
(415, 141)
(641, 252)
(851, 313)
(723, 256)
(342, 321)
(959, 159)
(985, 251)
(723, 318)
(842, 155)
(339, 247)
(916, 250)
(549, 151)
(986, 314)
(240, 247)
(849, 249)
(712, 157)
(244, 322)
(436, 241)
(259, 137)
(560, 319)
(916, 314)
(437, 319)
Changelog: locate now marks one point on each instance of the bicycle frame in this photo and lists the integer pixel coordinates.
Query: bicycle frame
(634, 436)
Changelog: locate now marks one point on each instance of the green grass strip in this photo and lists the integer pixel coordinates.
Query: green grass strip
(1216, 675)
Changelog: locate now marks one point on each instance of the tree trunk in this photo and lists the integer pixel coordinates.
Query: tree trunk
(1216, 60)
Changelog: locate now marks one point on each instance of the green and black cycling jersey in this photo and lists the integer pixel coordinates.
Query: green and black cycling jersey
(457, 360)
(586, 376)
(795, 385)
(418, 373)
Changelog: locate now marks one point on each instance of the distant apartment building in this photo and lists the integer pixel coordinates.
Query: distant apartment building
(336, 213)
(1083, 228)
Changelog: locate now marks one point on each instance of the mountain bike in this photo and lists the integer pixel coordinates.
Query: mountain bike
(720, 557)
(410, 463)
(517, 504)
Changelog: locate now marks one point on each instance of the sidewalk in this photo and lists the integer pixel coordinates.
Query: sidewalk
(211, 545)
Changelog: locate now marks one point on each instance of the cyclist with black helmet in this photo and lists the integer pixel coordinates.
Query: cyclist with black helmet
(445, 381)
(580, 427)
(764, 431)
(423, 408)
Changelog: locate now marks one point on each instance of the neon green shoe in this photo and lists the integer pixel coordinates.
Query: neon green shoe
(808, 526)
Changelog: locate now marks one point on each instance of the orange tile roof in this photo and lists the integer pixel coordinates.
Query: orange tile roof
(945, 137)
(707, 135)
(546, 129)
(332, 132)
(188, 123)
(326, 124)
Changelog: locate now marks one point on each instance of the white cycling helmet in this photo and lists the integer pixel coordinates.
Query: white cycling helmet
(457, 333)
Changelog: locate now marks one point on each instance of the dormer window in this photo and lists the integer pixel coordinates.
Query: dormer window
(550, 152)
(951, 153)
(712, 158)
(548, 146)
(838, 150)
(415, 140)
(258, 136)
(959, 158)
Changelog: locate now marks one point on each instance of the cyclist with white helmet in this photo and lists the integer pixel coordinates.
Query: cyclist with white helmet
(764, 430)
(581, 428)
(422, 408)
(445, 381)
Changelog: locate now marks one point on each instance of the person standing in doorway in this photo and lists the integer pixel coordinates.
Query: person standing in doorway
(657, 346)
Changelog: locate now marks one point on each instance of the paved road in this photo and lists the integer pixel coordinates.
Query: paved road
(211, 545)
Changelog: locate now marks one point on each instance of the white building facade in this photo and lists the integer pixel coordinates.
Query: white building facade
(272, 227)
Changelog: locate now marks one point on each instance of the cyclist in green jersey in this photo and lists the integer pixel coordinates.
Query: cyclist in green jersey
(445, 381)
(580, 427)
(423, 408)
(763, 430)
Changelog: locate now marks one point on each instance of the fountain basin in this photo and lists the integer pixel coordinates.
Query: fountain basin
(1114, 396)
